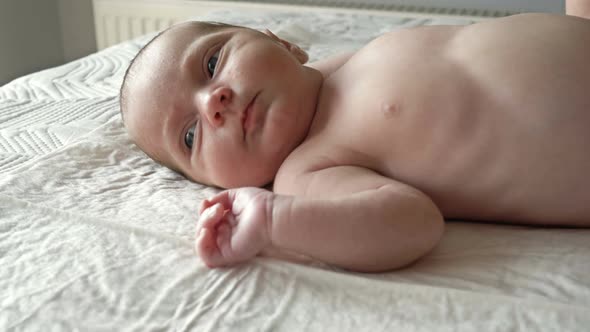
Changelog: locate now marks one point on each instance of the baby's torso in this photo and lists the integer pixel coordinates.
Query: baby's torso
(492, 121)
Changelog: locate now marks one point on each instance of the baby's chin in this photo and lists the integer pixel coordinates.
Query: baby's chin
(245, 178)
(245, 182)
(255, 170)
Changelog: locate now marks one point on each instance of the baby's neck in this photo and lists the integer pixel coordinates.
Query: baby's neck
(315, 83)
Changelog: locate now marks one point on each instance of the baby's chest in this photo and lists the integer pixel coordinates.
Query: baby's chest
(387, 116)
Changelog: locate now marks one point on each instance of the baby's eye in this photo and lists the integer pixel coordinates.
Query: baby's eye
(189, 137)
(212, 63)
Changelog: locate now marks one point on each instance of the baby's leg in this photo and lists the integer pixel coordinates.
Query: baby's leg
(579, 8)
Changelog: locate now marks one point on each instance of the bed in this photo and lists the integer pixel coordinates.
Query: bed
(94, 236)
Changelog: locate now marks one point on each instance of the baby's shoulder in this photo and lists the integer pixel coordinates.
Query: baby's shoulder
(332, 63)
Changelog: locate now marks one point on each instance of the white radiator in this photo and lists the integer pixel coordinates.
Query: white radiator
(119, 20)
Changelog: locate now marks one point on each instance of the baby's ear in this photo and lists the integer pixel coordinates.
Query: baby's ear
(299, 54)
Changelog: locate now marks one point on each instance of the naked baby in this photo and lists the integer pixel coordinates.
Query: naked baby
(368, 152)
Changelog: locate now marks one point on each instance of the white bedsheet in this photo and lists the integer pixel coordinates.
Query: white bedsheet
(94, 236)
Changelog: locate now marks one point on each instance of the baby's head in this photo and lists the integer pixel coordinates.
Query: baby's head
(221, 104)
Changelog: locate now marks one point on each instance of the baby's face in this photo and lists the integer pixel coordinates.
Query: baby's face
(223, 105)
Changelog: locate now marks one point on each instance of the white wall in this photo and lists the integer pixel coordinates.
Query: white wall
(30, 37)
(77, 28)
(37, 34)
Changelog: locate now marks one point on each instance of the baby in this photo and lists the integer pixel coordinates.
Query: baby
(368, 152)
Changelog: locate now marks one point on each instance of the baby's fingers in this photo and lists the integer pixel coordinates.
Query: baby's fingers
(205, 204)
(219, 198)
(224, 233)
(224, 198)
(207, 248)
(210, 217)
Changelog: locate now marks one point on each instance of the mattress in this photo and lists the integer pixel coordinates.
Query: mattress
(94, 236)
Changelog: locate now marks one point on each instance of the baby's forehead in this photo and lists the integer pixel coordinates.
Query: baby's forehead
(196, 29)
(174, 41)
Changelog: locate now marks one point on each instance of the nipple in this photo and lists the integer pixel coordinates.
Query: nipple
(388, 110)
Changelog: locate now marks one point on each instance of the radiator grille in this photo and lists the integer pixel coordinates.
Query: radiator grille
(120, 20)
(392, 5)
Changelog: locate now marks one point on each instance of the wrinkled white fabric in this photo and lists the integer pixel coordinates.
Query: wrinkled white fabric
(94, 236)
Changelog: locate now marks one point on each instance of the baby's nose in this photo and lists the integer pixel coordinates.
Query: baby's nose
(216, 105)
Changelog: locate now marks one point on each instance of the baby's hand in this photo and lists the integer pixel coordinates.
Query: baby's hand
(233, 226)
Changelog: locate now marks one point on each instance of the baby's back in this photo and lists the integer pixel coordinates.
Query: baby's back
(492, 121)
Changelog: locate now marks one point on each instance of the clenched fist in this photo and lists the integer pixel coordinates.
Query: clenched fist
(234, 226)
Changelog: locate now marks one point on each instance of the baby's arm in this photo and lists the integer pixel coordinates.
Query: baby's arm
(353, 219)
(356, 219)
